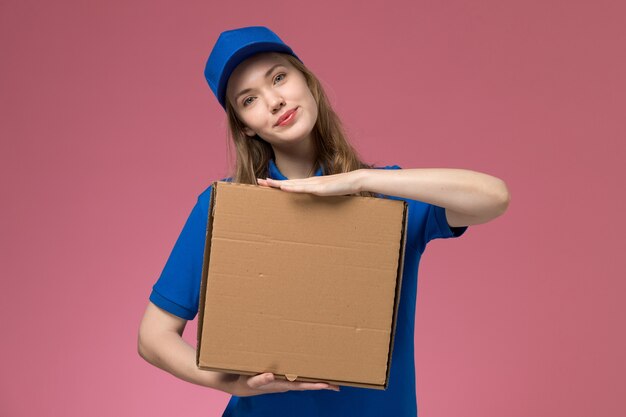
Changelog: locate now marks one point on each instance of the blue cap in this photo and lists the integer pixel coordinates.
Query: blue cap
(233, 47)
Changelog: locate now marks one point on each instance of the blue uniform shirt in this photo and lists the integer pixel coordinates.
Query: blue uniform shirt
(177, 291)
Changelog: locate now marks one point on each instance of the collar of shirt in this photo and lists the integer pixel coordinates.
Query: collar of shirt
(275, 173)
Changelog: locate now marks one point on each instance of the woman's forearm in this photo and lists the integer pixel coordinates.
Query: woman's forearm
(469, 192)
(170, 352)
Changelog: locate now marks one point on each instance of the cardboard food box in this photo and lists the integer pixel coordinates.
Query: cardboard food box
(304, 286)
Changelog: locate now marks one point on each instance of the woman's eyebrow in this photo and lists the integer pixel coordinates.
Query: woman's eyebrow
(267, 74)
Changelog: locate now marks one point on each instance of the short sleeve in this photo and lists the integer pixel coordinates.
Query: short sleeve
(426, 222)
(437, 226)
(177, 290)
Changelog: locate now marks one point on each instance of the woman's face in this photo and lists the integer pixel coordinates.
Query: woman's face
(263, 88)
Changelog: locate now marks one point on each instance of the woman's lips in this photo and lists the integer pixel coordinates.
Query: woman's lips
(290, 117)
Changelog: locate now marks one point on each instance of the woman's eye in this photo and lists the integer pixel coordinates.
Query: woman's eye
(246, 101)
(279, 76)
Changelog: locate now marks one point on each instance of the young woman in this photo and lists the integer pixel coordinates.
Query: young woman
(286, 135)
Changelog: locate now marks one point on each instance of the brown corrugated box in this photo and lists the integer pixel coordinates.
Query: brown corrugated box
(304, 286)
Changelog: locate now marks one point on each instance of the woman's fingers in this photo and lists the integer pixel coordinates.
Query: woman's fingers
(260, 380)
(282, 386)
(267, 382)
(338, 184)
(313, 385)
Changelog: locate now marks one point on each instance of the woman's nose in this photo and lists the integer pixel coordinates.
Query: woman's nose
(276, 102)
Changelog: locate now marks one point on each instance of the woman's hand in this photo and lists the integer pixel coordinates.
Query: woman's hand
(338, 184)
(246, 386)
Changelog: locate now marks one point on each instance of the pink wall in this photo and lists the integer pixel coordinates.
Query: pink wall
(109, 133)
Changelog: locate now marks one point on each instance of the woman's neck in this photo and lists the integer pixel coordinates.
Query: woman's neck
(293, 168)
(296, 163)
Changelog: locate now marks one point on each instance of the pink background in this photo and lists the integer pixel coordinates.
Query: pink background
(109, 132)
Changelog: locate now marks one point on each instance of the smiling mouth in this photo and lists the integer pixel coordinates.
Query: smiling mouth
(287, 119)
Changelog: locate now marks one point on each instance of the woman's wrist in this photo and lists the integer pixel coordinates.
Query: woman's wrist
(220, 381)
(363, 179)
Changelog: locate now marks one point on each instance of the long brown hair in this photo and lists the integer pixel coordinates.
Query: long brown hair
(333, 151)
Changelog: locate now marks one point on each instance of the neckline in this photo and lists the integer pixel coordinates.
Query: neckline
(275, 173)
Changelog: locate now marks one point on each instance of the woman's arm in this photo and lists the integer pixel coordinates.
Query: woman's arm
(469, 197)
(160, 343)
